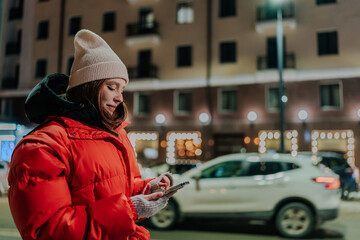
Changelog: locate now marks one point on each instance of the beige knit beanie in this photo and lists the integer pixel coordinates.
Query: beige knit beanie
(94, 60)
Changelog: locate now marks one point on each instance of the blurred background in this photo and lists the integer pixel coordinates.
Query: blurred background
(207, 77)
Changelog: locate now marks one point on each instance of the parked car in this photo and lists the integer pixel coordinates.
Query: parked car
(4, 170)
(337, 163)
(175, 169)
(290, 192)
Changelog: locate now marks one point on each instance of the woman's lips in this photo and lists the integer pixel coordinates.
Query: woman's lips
(111, 107)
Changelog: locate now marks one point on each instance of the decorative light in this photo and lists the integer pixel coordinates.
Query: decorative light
(160, 119)
(346, 135)
(284, 99)
(268, 135)
(303, 115)
(204, 117)
(252, 116)
(171, 139)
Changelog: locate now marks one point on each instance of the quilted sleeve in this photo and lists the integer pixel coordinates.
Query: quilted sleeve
(41, 204)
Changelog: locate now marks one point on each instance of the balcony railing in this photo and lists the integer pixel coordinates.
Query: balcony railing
(9, 83)
(267, 13)
(264, 62)
(143, 72)
(137, 29)
(15, 13)
(12, 48)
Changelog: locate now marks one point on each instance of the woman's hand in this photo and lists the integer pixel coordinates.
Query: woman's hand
(161, 183)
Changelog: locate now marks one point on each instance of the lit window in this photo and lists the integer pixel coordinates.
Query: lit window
(184, 12)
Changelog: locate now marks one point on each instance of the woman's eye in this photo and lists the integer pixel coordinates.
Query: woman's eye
(110, 88)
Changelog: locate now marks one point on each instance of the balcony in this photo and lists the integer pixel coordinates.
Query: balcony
(142, 33)
(15, 13)
(143, 72)
(12, 48)
(139, 1)
(266, 17)
(9, 83)
(265, 62)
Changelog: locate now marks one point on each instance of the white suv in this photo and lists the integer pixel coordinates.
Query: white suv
(289, 191)
(4, 185)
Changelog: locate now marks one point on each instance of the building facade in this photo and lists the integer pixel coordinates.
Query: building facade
(204, 77)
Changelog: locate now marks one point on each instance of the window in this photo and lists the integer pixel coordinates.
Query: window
(273, 98)
(40, 70)
(264, 168)
(143, 104)
(227, 52)
(227, 8)
(69, 64)
(108, 22)
(330, 96)
(184, 56)
(43, 0)
(223, 170)
(320, 2)
(327, 43)
(183, 102)
(43, 30)
(228, 100)
(74, 25)
(184, 12)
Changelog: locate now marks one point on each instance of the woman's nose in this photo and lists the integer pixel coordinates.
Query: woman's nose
(118, 98)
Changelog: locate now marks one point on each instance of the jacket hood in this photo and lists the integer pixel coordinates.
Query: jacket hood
(46, 99)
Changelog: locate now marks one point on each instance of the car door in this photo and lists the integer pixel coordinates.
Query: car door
(217, 188)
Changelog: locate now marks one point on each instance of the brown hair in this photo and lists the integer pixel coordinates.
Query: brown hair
(91, 91)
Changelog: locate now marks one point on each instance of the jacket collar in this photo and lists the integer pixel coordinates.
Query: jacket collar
(76, 129)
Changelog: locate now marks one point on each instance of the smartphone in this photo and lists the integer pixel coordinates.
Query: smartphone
(176, 187)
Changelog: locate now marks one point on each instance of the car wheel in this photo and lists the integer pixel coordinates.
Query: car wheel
(166, 218)
(295, 220)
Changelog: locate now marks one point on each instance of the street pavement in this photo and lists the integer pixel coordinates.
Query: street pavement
(345, 227)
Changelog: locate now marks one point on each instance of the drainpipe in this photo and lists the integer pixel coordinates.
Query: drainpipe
(208, 128)
(61, 36)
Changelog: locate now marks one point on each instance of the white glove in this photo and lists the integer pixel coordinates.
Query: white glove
(148, 205)
(164, 181)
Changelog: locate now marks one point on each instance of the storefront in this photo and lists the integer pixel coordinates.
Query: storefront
(341, 141)
(270, 141)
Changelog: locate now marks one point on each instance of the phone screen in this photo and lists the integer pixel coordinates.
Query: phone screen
(176, 187)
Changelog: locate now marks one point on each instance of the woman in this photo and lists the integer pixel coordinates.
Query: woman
(75, 176)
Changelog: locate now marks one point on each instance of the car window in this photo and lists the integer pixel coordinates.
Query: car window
(264, 168)
(290, 166)
(223, 170)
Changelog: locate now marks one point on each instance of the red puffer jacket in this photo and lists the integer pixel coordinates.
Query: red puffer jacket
(71, 181)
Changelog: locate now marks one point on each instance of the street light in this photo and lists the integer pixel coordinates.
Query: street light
(280, 60)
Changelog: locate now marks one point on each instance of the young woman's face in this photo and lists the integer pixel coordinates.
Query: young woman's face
(111, 94)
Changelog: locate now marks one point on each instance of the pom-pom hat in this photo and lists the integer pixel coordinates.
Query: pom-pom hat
(94, 60)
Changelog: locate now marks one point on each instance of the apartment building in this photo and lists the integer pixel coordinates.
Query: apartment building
(204, 77)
